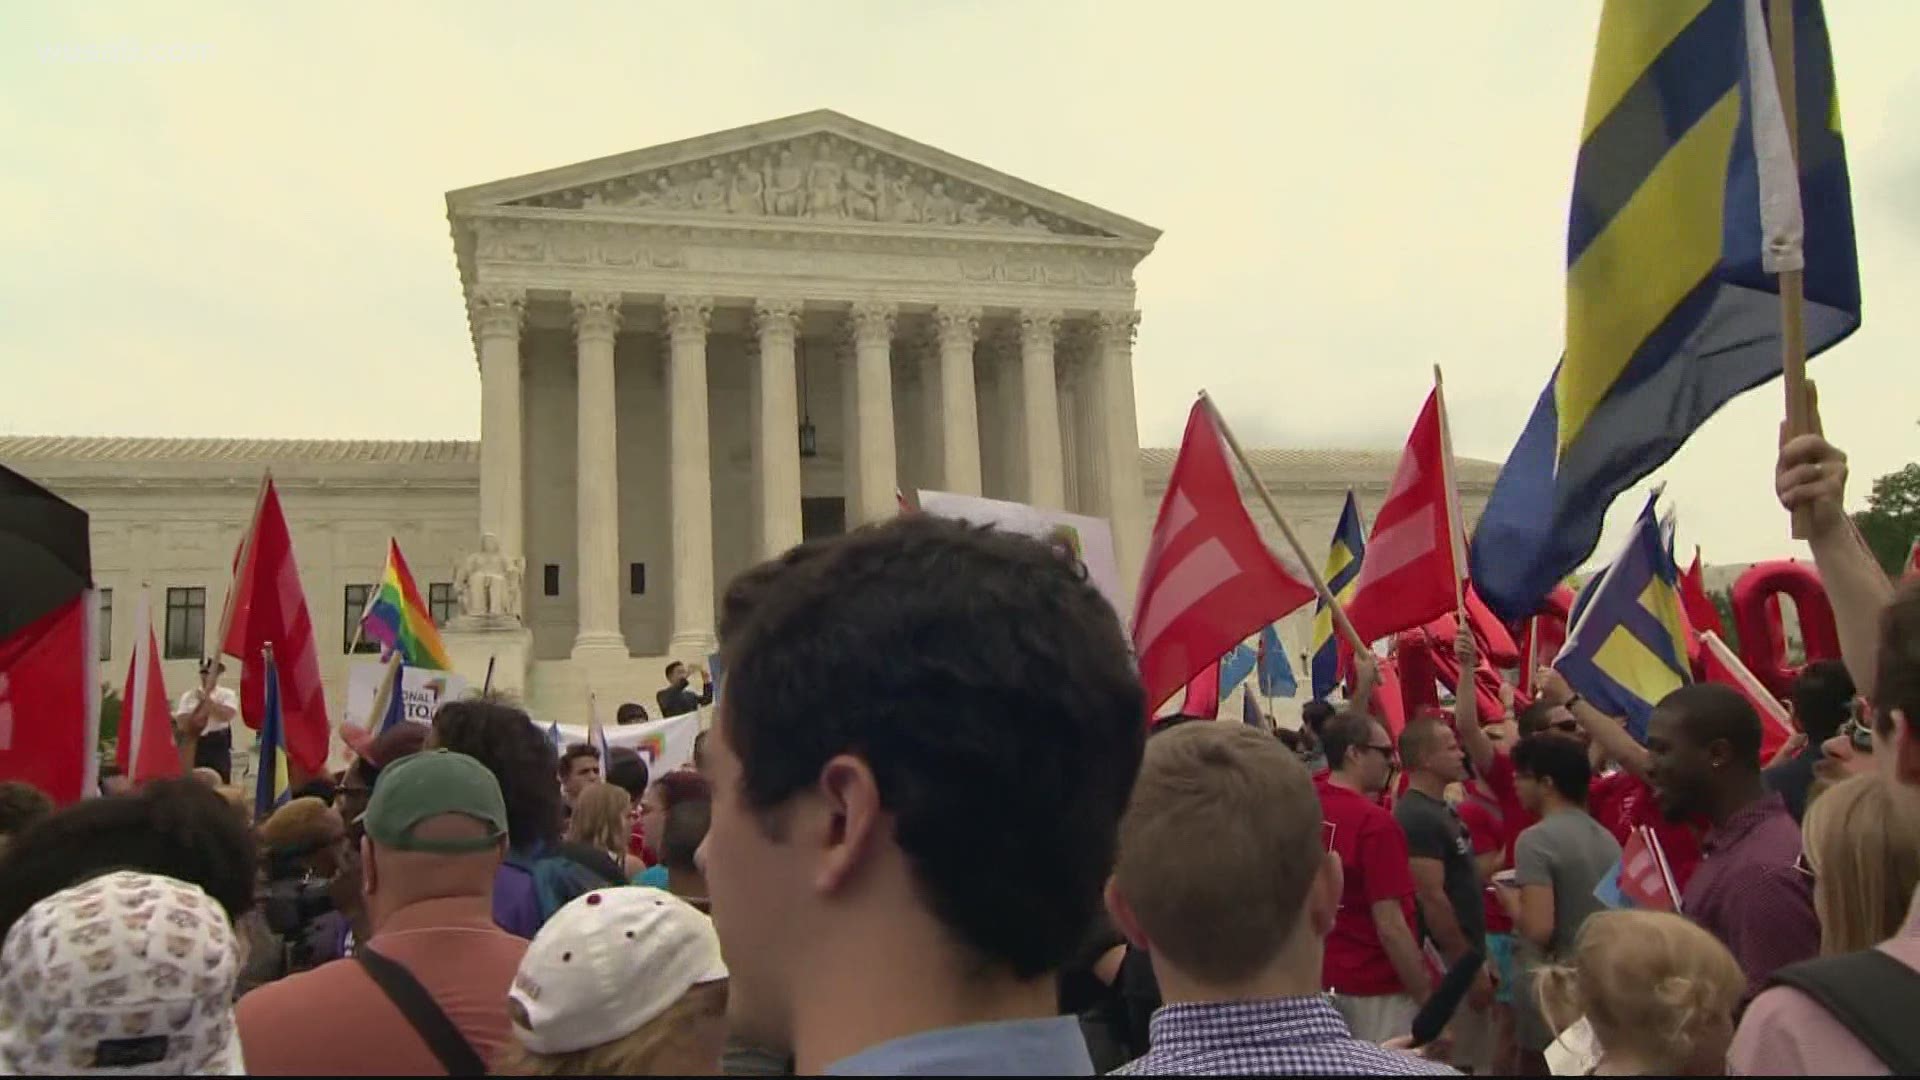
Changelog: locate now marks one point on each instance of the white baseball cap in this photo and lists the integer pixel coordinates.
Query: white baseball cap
(126, 974)
(607, 963)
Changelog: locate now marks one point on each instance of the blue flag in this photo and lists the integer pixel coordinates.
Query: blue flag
(1344, 556)
(396, 701)
(1627, 648)
(1670, 312)
(270, 786)
(713, 672)
(1236, 666)
(1276, 675)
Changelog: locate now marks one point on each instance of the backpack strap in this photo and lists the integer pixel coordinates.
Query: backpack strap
(1874, 995)
(425, 1015)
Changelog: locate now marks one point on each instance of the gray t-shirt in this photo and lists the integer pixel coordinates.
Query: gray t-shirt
(1570, 852)
(1435, 831)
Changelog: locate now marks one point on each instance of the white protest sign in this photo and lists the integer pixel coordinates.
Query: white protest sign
(1091, 538)
(424, 690)
(665, 745)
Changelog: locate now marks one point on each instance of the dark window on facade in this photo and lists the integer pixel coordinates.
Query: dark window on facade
(550, 579)
(637, 578)
(822, 517)
(355, 605)
(186, 623)
(440, 602)
(106, 624)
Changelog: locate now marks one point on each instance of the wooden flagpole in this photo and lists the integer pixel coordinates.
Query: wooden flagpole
(1454, 527)
(1306, 563)
(1793, 330)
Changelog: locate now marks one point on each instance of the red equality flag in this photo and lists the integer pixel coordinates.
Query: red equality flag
(1694, 601)
(1646, 881)
(145, 749)
(1719, 664)
(267, 604)
(1409, 575)
(1203, 693)
(1209, 581)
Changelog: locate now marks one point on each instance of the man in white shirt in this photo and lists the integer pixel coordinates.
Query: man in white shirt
(209, 710)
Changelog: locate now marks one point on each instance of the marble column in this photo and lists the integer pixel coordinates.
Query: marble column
(956, 328)
(876, 479)
(497, 314)
(1082, 431)
(691, 477)
(1041, 409)
(1126, 495)
(596, 320)
(776, 442)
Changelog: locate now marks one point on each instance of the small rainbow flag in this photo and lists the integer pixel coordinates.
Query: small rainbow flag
(399, 619)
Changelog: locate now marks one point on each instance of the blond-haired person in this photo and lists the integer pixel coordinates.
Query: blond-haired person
(1658, 990)
(620, 982)
(1224, 879)
(603, 820)
(1863, 850)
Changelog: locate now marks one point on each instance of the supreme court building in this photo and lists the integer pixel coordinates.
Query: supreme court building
(691, 358)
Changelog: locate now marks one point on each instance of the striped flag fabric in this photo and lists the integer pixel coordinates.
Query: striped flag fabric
(1412, 568)
(1209, 579)
(1344, 556)
(268, 607)
(399, 619)
(1682, 213)
(390, 702)
(1642, 879)
(1627, 645)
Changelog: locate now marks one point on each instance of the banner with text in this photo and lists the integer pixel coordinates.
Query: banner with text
(423, 688)
(1090, 538)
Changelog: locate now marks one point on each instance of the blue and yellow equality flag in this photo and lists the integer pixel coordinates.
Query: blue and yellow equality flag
(270, 786)
(1627, 642)
(1344, 556)
(1670, 312)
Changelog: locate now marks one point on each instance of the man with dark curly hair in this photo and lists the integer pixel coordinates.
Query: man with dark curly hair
(21, 804)
(898, 873)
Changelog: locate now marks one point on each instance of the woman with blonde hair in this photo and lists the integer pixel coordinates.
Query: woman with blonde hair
(620, 982)
(602, 820)
(1862, 839)
(1658, 991)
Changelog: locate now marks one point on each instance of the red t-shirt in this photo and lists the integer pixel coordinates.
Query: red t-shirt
(1373, 858)
(1498, 797)
(1484, 827)
(1620, 800)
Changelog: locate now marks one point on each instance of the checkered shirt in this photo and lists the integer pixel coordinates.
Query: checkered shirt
(1294, 1036)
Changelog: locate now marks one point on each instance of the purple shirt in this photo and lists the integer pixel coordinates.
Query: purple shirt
(1749, 892)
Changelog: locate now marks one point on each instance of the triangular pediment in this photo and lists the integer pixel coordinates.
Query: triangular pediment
(821, 167)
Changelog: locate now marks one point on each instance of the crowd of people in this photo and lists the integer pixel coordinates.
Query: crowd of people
(984, 862)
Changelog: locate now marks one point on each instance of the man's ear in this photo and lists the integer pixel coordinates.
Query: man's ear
(1905, 745)
(1323, 896)
(1123, 917)
(369, 870)
(851, 821)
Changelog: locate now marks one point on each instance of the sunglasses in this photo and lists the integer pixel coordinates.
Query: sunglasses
(1566, 727)
(1859, 736)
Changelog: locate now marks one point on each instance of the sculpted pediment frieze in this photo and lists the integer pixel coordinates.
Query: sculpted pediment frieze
(821, 177)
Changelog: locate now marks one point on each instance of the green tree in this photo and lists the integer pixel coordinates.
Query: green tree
(1723, 603)
(1892, 517)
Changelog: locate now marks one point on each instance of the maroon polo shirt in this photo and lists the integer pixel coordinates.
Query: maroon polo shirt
(1749, 892)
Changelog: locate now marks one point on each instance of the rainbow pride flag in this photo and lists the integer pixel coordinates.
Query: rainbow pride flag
(399, 619)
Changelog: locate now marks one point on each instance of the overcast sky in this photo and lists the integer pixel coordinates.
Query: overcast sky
(229, 219)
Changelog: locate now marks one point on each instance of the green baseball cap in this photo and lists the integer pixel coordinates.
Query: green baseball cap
(426, 785)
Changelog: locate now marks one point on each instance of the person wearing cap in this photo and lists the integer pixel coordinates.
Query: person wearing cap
(130, 972)
(620, 982)
(427, 994)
